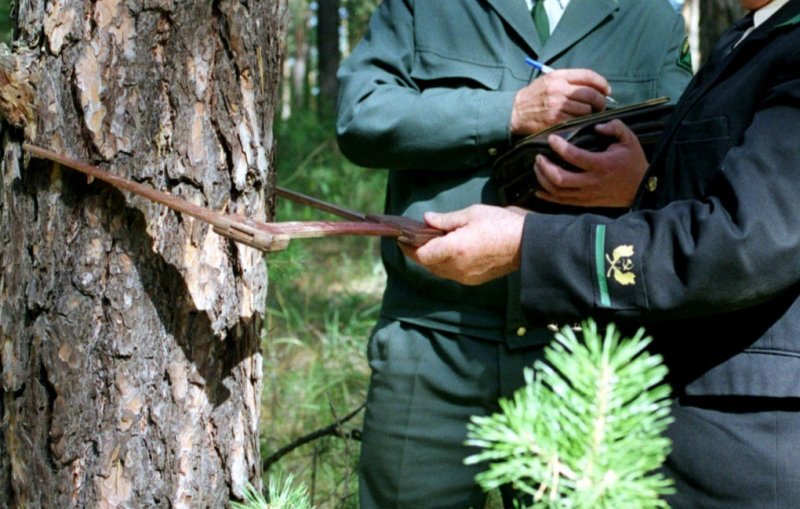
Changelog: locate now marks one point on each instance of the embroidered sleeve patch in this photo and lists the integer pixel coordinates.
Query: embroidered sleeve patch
(616, 266)
(685, 55)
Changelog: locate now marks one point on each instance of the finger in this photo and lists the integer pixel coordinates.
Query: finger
(587, 78)
(564, 180)
(447, 221)
(578, 157)
(573, 107)
(435, 252)
(559, 185)
(563, 195)
(617, 129)
(587, 99)
(550, 175)
(547, 191)
(408, 251)
(562, 85)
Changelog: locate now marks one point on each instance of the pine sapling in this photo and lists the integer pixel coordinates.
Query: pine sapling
(586, 430)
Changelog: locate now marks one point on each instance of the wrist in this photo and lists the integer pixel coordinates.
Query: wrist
(515, 124)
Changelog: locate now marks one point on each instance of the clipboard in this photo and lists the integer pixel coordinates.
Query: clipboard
(513, 173)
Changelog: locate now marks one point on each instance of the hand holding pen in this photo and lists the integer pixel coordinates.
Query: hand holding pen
(556, 96)
(546, 69)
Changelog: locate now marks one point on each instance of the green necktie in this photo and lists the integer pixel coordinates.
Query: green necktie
(541, 21)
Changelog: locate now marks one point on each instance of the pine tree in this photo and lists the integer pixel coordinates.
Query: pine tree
(586, 429)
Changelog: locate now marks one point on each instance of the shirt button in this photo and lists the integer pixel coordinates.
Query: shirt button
(492, 151)
(521, 331)
(652, 184)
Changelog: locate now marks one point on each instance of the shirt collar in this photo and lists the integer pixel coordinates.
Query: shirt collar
(764, 13)
(562, 4)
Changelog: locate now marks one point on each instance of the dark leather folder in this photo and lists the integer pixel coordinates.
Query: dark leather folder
(513, 171)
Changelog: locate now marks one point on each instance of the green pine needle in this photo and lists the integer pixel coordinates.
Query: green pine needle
(283, 495)
(586, 429)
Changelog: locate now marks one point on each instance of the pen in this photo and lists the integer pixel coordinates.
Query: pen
(544, 69)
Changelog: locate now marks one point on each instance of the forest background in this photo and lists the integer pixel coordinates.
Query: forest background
(324, 294)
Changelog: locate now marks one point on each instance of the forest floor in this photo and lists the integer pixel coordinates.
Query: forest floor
(323, 300)
(315, 371)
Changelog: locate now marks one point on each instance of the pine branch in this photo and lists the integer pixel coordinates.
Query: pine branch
(585, 430)
(282, 495)
(334, 429)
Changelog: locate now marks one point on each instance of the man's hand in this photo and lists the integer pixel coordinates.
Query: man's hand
(556, 97)
(609, 179)
(482, 243)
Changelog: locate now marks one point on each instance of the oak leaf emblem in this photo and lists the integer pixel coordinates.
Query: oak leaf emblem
(621, 265)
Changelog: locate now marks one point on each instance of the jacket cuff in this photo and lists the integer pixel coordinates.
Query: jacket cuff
(575, 266)
(493, 124)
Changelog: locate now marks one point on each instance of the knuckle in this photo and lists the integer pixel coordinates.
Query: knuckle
(557, 179)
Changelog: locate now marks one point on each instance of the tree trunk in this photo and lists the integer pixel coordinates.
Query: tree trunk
(131, 367)
(299, 71)
(705, 22)
(328, 51)
(715, 17)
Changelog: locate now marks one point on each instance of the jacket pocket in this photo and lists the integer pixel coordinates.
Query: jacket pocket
(701, 145)
(633, 87)
(703, 130)
(433, 70)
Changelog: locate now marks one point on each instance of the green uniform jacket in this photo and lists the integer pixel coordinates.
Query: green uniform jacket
(428, 95)
(708, 259)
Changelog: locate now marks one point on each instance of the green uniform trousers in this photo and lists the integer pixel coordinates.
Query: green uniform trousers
(425, 386)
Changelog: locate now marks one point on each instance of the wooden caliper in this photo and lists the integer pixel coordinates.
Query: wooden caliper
(265, 236)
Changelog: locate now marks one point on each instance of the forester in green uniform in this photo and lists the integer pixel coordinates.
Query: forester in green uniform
(434, 93)
(707, 260)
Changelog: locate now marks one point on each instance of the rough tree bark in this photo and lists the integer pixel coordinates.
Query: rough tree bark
(131, 366)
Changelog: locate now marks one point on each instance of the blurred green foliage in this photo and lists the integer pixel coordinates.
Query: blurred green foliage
(358, 13)
(6, 26)
(309, 160)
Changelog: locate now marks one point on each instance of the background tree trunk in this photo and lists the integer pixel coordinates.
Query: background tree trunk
(131, 365)
(715, 17)
(705, 22)
(328, 51)
(299, 60)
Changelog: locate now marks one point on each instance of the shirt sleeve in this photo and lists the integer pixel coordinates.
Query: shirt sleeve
(676, 68)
